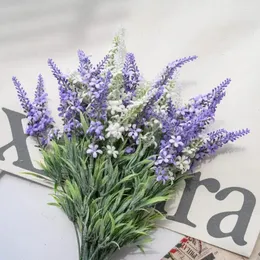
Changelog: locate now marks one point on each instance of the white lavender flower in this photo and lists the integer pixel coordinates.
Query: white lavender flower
(171, 176)
(75, 76)
(188, 151)
(114, 130)
(115, 106)
(111, 150)
(182, 163)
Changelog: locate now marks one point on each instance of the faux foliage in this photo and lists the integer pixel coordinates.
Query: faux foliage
(110, 202)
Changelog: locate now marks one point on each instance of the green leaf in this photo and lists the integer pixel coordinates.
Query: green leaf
(40, 176)
(54, 204)
(83, 122)
(153, 201)
(141, 248)
(113, 224)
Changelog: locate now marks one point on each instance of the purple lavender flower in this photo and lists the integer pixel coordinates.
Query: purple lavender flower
(70, 108)
(90, 75)
(85, 66)
(148, 110)
(164, 157)
(63, 81)
(196, 125)
(161, 83)
(99, 92)
(101, 65)
(96, 129)
(186, 128)
(72, 126)
(171, 110)
(129, 150)
(180, 131)
(39, 118)
(22, 95)
(39, 92)
(62, 78)
(217, 139)
(212, 99)
(185, 122)
(54, 134)
(70, 102)
(134, 131)
(176, 141)
(191, 120)
(43, 141)
(218, 93)
(171, 68)
(93, 150)
(161, 174)
(95, 86)
(131, 74)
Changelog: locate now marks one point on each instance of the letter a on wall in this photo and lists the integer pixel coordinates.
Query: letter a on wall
(211, 211)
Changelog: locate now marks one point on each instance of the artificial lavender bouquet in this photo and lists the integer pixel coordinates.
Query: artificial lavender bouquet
(124, 146)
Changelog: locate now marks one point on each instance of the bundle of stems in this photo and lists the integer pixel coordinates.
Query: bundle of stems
(110, 202)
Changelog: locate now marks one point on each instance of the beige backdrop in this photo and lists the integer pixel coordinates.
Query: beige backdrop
(225, 34)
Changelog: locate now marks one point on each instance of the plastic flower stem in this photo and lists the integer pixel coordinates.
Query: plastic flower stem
(77, 235)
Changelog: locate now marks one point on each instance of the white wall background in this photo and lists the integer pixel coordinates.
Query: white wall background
(225, 35)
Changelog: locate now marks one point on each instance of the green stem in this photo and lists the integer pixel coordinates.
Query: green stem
(77, 235)
(84, 243)
(83, 252)
(39, 142)
(82, 249)
(92, 257)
